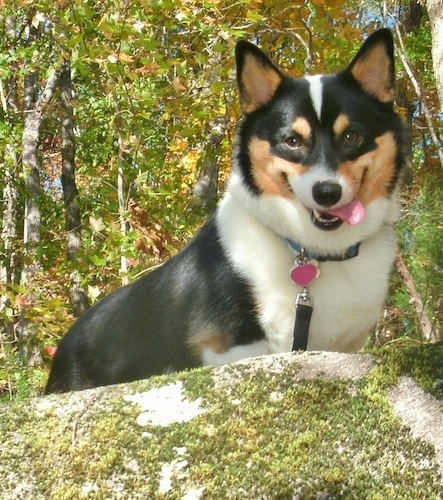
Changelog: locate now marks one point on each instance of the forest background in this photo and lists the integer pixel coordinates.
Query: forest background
(116, 125)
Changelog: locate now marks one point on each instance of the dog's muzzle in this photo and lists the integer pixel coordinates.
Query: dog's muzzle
(327, 194)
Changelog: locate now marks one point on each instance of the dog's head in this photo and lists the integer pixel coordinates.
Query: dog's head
(321, 155)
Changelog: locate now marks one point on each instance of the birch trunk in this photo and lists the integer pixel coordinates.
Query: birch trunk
(122, 199)
(33, 109)
(9, 266)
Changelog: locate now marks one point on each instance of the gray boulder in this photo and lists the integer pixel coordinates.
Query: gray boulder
(290, 426)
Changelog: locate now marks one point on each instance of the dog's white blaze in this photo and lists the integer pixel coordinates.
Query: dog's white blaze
(316, 91)
(302, 185)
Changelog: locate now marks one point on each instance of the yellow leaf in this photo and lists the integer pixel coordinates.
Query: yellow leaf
(96, 224)
(93, 292)
(122, 56)
(177, 84)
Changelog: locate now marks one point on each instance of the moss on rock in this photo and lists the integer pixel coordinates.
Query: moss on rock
(313, 425)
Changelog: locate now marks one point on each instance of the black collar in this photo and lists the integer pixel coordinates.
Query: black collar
(350, 253)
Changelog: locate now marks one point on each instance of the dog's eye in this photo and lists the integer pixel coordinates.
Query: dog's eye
(294, 141)
(351, 138)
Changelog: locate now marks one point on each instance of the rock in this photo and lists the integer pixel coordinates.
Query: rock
(289, 426)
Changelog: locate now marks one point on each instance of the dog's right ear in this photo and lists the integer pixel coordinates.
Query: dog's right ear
(257, 77)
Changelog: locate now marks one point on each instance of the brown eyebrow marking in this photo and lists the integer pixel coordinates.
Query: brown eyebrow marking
(341, 124)
(301, 127)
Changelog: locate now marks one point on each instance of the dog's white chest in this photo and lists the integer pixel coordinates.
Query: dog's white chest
(347, 296)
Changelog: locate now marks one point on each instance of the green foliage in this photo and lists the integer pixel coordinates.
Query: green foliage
(421, 229)
(417, 44)
(17, 379)
(22, 372)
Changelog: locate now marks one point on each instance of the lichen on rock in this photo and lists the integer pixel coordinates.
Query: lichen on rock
(312, 425)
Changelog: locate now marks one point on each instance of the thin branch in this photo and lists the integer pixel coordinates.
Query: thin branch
(3, 98)
(427, 331)
(48, 92)
(82, 412)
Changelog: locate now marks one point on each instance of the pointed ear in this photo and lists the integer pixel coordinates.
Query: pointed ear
(257, 77)
(373, 66)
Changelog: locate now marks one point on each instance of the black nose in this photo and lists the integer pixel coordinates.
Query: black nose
(326, 193)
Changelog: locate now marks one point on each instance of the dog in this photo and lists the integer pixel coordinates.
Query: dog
(302, 242)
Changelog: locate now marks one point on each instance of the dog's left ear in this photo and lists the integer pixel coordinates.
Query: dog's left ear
(257, 77)
(373, 66)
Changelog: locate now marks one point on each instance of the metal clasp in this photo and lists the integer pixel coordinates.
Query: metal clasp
(301, 259)
(303, 297)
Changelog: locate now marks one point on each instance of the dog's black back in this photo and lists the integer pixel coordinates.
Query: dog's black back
(155, 325)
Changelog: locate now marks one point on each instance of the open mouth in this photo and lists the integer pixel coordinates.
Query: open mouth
(325, 221)
(352, 213)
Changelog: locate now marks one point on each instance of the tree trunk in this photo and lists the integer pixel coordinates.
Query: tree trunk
(32, 176)
(9, 269)
(33, 115)
(79, 299)
(10, 263)
(435, 11)
(33, 111)
(122, 207)
(414, 16)
(122, 199)
(206, 186)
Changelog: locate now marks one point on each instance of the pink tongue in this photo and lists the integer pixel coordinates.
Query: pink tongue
(352, 213)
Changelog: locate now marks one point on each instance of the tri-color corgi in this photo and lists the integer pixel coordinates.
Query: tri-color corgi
(307, 218)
